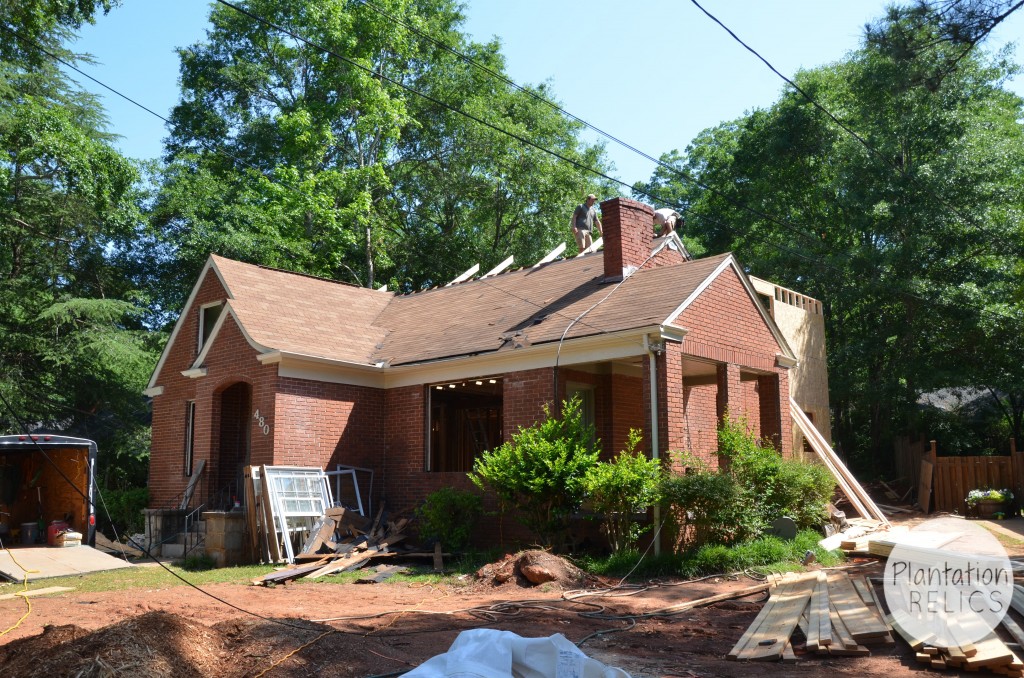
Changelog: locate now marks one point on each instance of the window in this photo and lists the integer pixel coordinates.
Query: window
(465, 419)
(208, 316)
(766, 301)
(190, 435)
(585, 393)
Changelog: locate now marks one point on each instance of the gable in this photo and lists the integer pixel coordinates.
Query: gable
(183, 345)
(725, 322)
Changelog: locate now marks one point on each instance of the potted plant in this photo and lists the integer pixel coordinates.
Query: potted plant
(985, 503)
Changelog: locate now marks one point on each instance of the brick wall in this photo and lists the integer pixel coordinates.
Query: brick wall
(700, 417)
(524, 395)
(628, 232)
(324, 424)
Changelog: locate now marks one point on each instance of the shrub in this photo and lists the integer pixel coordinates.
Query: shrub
(771, 486)
(449, 516)
(540, 472)
(621, 488)
(125, 509)
(705, 507)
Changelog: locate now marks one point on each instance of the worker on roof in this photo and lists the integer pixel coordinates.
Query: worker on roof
(665, 220)
(584, 220)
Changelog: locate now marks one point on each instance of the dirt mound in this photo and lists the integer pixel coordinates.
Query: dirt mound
(153, 644)
(531, 568)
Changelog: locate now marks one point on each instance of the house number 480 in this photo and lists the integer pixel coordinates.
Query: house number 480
(261, 422)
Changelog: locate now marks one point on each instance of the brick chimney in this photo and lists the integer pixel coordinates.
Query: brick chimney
(626, 226)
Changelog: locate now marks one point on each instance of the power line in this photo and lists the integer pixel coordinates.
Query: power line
(877, 154)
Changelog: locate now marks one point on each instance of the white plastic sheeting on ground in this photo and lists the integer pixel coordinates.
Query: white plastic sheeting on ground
(488, 653)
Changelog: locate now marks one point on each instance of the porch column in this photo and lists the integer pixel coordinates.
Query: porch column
(730, 394)
(671, 404)
(769, 409)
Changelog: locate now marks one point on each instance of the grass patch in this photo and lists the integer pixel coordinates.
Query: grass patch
(153, 577)
(767, 554)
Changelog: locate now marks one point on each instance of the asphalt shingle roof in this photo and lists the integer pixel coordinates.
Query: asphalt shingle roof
(300, 314)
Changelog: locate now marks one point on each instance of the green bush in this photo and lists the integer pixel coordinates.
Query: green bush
(449, 516)
(540, 473)
(125, 509)
(705, 507)
(770, 486)
(621, 488)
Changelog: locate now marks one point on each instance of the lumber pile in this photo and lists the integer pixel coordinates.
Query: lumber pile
(855, 493)
(837, 614)
(341, 541)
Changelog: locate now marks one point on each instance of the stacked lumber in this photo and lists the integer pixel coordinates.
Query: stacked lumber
(990, 653)
(342, 541)
(856, 535)
(837, 614)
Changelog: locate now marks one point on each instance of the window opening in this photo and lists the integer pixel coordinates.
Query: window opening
(190, 435)
(465, 420)
(208, 316)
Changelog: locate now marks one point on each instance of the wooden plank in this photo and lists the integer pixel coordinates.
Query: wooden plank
(190, 489)
(438, 558)
(728, 595)
(383, 573)
(251, 516)
(991, 652)
(898, 621)
(924, 488)
(269, 525)
(822, 602)
(323, 531)
(755, 626)
(772, 640)
(860, 621)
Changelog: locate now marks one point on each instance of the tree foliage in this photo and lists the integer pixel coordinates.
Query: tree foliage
(911, 239)
(331, 163)
(74, 352)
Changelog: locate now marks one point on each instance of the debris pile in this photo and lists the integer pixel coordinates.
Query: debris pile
(341, 541)
(531, 568)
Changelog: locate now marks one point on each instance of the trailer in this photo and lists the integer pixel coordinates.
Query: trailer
(47, 485)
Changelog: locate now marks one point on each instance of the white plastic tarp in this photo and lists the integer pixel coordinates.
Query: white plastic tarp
(488, 653)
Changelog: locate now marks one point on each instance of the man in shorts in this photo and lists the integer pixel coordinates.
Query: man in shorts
(584, 219)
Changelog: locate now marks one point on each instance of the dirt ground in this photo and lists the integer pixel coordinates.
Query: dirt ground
(381, 629)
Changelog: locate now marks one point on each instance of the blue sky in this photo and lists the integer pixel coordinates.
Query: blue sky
(653, 73)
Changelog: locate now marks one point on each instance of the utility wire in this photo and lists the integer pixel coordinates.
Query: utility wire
(683, 174)
(863, 142)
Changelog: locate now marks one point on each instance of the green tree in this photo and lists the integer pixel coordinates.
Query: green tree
(74, 351)
(910, 244)
(285, 155)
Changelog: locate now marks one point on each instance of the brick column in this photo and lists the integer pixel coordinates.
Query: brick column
(671, 401)
(730, 394)
(770, 415)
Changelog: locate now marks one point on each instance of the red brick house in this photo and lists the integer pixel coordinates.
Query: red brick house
(271, 367)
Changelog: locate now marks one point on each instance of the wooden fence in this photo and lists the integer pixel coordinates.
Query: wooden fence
(954, 477)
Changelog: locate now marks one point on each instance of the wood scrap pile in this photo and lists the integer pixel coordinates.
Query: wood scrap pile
(837, 614)
(341, 541)
(991, 653)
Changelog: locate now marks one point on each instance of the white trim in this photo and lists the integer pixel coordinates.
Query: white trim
(785, 361)
(500, 267)
(154, 391)
(194, 373)
(551, 256)
(673, 333)
(228, 311)
(602, 347)
(730, 261)
(184, 314)
(465, 276)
